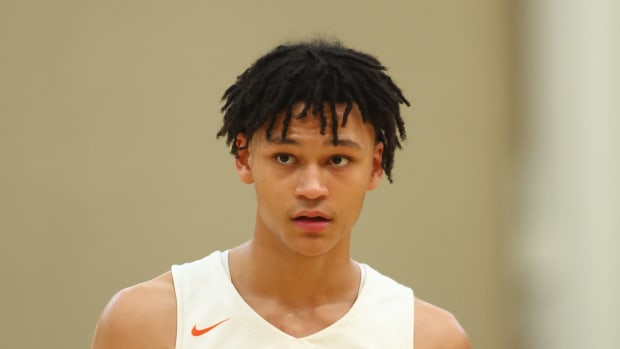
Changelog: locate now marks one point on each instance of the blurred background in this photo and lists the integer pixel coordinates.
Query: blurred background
(505, 208)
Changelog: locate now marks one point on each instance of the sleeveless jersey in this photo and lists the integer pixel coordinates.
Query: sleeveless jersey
(212, 314)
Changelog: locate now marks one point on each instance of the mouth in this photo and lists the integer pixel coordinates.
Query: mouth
(312, 219)
(312, 222)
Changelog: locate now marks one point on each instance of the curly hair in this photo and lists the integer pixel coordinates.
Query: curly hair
(318, 73)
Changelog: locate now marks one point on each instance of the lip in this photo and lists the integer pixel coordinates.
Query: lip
(311, 214)
(306, 221)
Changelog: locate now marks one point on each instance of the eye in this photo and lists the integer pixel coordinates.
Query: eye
(284, 159)
(339, 160)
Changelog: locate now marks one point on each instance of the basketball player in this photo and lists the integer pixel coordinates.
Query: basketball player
(314, 126)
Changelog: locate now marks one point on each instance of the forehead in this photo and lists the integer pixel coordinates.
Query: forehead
(311, 123)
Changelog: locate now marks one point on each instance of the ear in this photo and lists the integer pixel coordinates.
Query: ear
(242, 160)
(377, 168)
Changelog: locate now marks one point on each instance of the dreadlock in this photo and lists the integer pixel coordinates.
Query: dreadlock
(316, 73)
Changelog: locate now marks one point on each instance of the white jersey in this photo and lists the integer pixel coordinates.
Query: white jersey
(212, 314)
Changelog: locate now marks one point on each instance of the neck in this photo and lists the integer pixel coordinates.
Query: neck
(293, 279)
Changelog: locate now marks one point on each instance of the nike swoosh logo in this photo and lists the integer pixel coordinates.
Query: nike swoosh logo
(196, 332)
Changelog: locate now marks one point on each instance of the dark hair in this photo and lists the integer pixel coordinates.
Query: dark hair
(317, 73)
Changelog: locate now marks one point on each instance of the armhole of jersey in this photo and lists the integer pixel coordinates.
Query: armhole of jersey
(413, 319)
(362, 277)
(225, 262)
(404, 321)
(178, 289)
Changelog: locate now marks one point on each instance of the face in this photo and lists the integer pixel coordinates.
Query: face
(310, 192)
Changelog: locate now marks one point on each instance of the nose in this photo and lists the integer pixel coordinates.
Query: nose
(311, 183)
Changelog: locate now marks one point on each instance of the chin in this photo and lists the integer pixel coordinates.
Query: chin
(313, 247)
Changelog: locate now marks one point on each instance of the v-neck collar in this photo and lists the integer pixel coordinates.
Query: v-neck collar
(265, 329)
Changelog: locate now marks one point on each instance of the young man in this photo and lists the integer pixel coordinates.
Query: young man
(313, 126)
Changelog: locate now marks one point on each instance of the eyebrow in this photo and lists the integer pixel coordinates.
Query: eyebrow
(342, 142)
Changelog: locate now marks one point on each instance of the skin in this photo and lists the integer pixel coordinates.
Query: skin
(298, 280)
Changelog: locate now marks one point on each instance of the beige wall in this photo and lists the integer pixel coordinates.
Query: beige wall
(110, 171)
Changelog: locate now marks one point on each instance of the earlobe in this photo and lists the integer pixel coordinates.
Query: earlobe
(242, 159)
(377, 167)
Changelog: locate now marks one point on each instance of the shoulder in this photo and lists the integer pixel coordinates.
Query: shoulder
(140, 316)
(436, 328)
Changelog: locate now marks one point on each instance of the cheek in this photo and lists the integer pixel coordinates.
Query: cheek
(353, 180)
(263, 190)
(350, 196)
(271, 196)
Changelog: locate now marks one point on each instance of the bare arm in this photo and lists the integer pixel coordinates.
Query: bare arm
(141, 316)
(436, 328)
